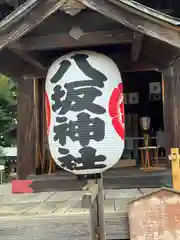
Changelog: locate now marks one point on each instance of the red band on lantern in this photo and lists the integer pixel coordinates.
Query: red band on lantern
(116, 110)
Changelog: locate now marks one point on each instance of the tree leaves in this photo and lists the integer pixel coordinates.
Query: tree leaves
(7, 109)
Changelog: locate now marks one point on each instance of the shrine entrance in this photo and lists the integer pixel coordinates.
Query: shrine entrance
(138, 39)
(143, 97)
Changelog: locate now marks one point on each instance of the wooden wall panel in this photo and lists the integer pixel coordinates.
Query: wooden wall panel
(42, 125)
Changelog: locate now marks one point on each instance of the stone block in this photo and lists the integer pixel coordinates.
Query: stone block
(121, 205)
(14, 209)
(46, 208)
(76, 207)
(122, 193)
(148, 190)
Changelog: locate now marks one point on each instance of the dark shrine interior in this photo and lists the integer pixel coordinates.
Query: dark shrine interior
(139, 82)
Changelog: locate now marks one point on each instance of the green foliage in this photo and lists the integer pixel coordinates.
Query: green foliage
(7, 111)
(1, 152)
(2, 162)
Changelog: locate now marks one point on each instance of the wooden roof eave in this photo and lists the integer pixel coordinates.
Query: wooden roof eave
(18, 14)
(159, 26)
(133, 15)
(12, 30)
(146, 21)
(147, 12)
(159, 54)
(19, 23)
(14, 66)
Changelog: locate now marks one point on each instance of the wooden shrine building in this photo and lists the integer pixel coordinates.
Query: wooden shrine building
(136, 37)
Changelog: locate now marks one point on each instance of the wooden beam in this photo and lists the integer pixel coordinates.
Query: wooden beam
(125, 64)
(159, 53)
(42, 11)
(28, 58)
(123, 61)
(14, 66)
(157, 29)
(26, 144)
(66, 41)
(18, 14)
(98, 22)
(136, 46)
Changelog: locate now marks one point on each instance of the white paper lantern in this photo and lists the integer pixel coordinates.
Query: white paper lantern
(85, 112)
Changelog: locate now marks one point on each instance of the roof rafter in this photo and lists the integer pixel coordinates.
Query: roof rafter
(59, 40)
(136, 46)
(33, 60)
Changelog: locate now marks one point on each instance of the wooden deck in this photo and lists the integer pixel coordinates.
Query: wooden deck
(126, 178)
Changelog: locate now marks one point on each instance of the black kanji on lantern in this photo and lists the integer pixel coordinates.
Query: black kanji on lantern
(56, 97)
(77, 96)
(97, 77)
(64, 66)
(82, 130)
(77, 99)
(88, 160)
(80, 95)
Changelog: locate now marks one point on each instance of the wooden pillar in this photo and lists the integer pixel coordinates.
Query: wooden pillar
(26, 135)
(42, 124)
(171, 107)
(172, 119)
